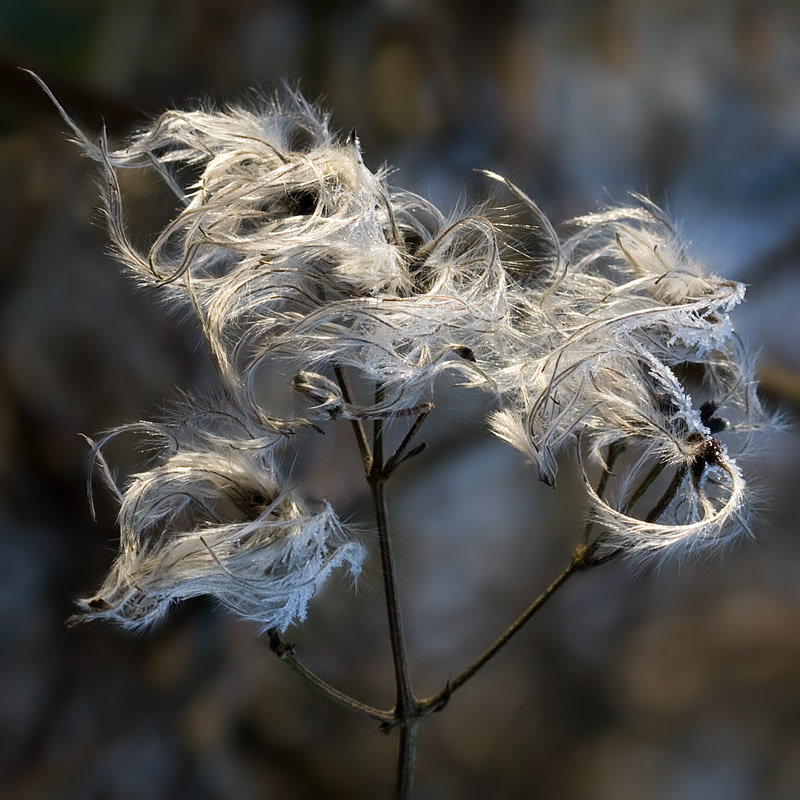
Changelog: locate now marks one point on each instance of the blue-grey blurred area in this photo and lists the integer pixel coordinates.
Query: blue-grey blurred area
(674, 684)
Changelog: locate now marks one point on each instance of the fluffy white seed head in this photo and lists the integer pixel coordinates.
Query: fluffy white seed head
(297, 259)
(211, 516)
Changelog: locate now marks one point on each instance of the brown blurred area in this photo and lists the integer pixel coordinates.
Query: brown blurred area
(682, 683)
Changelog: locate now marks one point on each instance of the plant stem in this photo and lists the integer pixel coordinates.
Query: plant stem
(396, 458)
(377, 481)
(405, 711)
(408, 712)
(646, 483)
(668, 496)
(285, 653)
(657, 510)
(358, 426)
(405, 702)
(581, 559)
(405, 759)
(615, 450)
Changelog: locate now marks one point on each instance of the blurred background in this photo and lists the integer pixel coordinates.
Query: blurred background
(681, 683)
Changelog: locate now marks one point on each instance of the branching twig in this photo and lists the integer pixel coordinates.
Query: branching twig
(583, 558)
(669, 495)
(408, 711)
(439, 700)
(286, 653)
(396, 459)
(646, 483)
(615, 450)
(358, 425)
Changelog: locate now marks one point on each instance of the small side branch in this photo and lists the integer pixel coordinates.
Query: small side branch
(646, 483)
(400, 455)
(286, 653)
(615, 450)
(581, 559)
(584, 557)
(668, 496)
(358, 425)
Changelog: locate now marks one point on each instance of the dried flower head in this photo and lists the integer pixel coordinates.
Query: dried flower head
(625, 314)
(211, 516)
(294, 255)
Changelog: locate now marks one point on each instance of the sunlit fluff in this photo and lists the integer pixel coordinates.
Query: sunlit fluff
(297, 259)
(211, 517)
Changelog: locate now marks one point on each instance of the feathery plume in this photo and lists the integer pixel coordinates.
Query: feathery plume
(297, 259)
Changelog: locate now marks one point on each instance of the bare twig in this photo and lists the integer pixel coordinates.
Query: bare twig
(615, 450)
(406, 710)
(405, 714)
(405, 698)
(358, 425)
(286, 653)
(583, 558)
(439, 700)
(396, 459)
(646, 483)
(405, 758)
(669, 495)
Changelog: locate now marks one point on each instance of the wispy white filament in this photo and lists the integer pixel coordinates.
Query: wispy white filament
(296, 259)
(210, 517)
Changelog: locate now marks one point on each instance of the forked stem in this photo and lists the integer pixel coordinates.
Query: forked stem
(615, 450)
(584, 557)
(408, 712)
(357, 424)
(581, 559)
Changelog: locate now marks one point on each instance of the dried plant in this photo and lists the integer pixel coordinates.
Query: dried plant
(294, 256)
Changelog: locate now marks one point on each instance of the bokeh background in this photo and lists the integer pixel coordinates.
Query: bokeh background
(678, 684)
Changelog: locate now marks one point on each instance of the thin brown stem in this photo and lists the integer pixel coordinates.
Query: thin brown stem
(615, 450)
(646, 483)
(358, 426)
(581, 559)
(654, 515)
(406, 711)
(405, 759)
(405, 702)
(669, 495)
(396, 458)
(596, 561)
(405, 698)
(286, 653)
